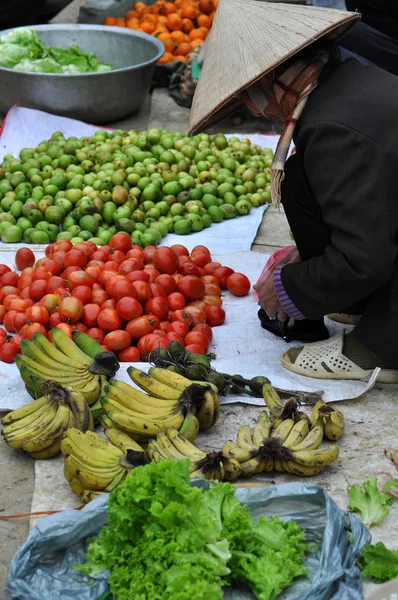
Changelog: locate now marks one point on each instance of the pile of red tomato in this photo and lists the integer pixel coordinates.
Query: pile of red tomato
(130, 299)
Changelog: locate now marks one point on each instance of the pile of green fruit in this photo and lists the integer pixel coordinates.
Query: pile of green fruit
(146, 184)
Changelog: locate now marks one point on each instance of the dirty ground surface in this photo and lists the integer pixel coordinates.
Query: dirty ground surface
(370, 420)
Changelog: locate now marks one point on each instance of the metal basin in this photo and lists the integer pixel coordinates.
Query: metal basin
(93, 97)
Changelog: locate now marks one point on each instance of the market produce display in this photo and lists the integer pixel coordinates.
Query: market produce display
(166, 539)
(128, 299)
(146, 184)
(23, 50)
(182, 25)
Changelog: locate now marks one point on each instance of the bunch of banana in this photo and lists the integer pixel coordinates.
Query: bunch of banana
(66, 363)
(291, 446)
(332, 419)
(38, 427)
(93, 465)
(212, 465)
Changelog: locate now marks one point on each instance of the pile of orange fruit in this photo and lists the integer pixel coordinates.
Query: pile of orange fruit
(181, 25)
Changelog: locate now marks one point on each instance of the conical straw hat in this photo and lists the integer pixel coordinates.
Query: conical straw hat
(248, 39)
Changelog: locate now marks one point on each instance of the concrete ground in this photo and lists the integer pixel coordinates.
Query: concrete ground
(370, 420)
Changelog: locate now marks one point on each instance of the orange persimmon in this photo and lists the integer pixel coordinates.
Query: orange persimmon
(110, 21)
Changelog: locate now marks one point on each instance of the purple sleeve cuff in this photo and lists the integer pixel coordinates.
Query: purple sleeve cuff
(283, 298)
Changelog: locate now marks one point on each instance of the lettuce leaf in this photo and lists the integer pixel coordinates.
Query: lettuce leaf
(378, 563)
(369, 502)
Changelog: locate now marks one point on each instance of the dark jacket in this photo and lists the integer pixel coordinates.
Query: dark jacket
(380, 14)
(347, 159)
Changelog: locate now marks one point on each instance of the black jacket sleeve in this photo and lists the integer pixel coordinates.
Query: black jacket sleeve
(355, 183)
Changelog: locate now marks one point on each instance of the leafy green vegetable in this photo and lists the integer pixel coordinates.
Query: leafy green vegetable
(369, 501)
(170, 541)
(23, 50)
(379, 563)
(391, 485)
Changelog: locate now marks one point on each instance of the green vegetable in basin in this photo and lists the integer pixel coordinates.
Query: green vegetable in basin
(168, 540)
(23, 50)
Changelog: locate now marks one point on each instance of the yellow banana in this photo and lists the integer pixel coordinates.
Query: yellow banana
(19, 437)
(278, 466)
(122, 440)
(55, 428)
(91, 390)
(90, 452)
(290, 466)
(262, 428)
(169, 378)
(80, 409)
(213, 473)
(314, 416)
(64, 344)
(94, 481)
(155, 452)
(312, 440)
(50, 350)
(143, 426)
(244, 438)
(76, 463)
(206, 413)
(152, 385)
(24, 411)
(183, 445)
(138, 401)
(34, 352)
(75, 484)
(168, 447)
(276, 422)
(283, 430)
(297, 434)
(190, 427)
(333, 420)
(231, 450)
(232, 469)
(273, 400)
(88, 495)
(55, 447)
(28, 421)
(321, 457)
(108, 404)
(257, 464)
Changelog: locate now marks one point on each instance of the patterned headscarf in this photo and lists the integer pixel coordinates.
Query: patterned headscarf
(290, 93)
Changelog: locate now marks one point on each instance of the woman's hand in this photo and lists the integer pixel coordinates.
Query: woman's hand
(269, 300)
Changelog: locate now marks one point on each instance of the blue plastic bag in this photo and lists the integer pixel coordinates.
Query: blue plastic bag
(42, 569)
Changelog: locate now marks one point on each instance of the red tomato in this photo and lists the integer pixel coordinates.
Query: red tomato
(130, 354)
(156, 342)
(179, 250)
(140, 326)
(149, 251)
(109, 320)
(200, 259)
(83, 292)
(204, 328)
(100, 255)
(222, 274)
(62, 293)
(105, 276)
(121, 289)
(17, 304)
(16, 340)
(129, 308)
(199, 304)
(179, 327)
(172, 336)
(192, 287)
(28, 331)
(176, 300)
(68, 271)
(121, 241)
(53, 266)
(8, 352)
(143, 290)
(211, 289)
(111, 265)
(3, 333)
(83, 247)
(97, 334)
(66, 329)
(135, 252)
(138, 276)
(157, 290)
(38, 289)
(75, 258)
(183, 316)
(9, 278)
(117, 257)
(99, 297)
(215, 315)
(50, 303)
(53, 283)
(94, 273)
(3, 312)
(211, 267)
(238, 284)
(10, 297)
(153, 273)
(198, 315)
(71, 309)
(167, 283)
(23, 282)
(38, 314)
(55, 319)
(28, 271)
(157, 306)
(209, 279)
(90, 314)
(213, 300)
(63, 245)
(105, 348)
(165, 260)
(164, 326)
(200, 249)
(128, 266)
(111, 282)
(41, 273)
(9, 321)
(188, 268)
(95, 263)
(91, 246)
(195, 348)
(117, 340)
(4, 269)
(78, 278)
(79, 327)
(24, 258)
(111, 303)
(196, 337)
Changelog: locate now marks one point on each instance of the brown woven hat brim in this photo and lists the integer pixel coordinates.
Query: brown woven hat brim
(248, 39)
